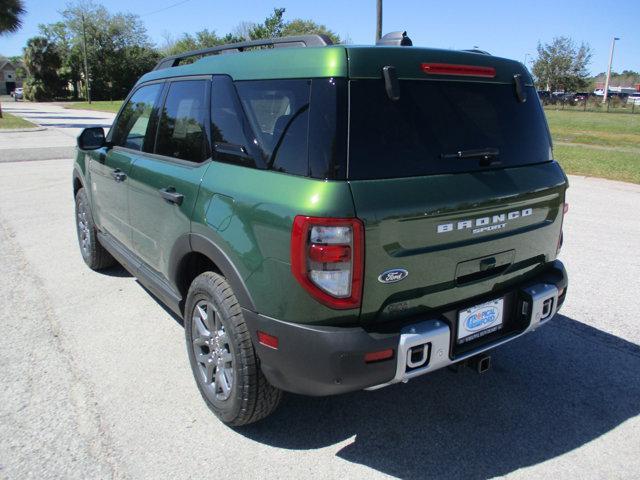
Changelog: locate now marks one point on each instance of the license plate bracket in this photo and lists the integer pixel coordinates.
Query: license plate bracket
(480, 320)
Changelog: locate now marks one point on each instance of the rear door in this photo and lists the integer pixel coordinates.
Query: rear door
(164, 184)
(456, 186)
(132, 134)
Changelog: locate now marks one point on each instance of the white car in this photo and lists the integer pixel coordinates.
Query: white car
(17, 94)
(633, 99)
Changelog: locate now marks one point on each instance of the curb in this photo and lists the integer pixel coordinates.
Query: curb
(17, 130)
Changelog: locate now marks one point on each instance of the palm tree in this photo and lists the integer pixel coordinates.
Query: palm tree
(10, 21)
(10, 13)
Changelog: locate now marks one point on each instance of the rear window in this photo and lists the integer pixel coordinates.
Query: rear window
(421, 133)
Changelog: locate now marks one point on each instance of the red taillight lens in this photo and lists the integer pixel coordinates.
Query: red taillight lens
(327, 259)
(463, 70)
(329, 253)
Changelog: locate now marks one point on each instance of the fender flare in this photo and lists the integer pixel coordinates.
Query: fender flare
(77, 175)
(194, 242)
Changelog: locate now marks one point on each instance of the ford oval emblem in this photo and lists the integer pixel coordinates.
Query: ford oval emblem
(393, 276)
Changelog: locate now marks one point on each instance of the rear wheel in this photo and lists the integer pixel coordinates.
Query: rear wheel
(93, 253)
(222, 357)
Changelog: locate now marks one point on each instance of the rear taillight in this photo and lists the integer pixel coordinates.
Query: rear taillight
(327, 259)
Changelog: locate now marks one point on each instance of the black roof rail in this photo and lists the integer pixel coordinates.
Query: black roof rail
(293, 41)
(476, 50)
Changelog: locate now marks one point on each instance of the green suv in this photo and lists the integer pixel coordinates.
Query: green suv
(329, 218)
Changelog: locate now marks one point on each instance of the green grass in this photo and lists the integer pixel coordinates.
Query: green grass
(595, 162)
(100, 105)
(597, 144)
(11, 121)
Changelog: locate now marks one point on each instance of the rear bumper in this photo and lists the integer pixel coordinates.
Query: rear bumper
(320, 360)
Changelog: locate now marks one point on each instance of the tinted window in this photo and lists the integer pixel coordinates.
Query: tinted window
(278, 112)
(433, 120)
(182, 127)
(328, 128)
(230, 134)
(134, 128)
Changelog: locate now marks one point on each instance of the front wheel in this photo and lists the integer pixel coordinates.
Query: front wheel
(93, 253)
(222, 357)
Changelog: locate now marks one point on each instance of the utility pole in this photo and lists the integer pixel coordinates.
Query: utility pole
(86, 64)
(379, 20)
(606, 83)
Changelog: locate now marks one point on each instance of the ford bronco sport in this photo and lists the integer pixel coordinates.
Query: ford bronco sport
(329, 218)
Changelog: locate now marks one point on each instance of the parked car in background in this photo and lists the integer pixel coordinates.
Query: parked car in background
(621, 95)
(581, 96)
(634, 99)
(562, 97)
(17, 94)
(544, 96)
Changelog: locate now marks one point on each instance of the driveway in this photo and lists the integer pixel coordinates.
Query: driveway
(96, 383)
(57, 141)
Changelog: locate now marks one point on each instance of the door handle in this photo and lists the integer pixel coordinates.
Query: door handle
(171, 196)
(118, 175)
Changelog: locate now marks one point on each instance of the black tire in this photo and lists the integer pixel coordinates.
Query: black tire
(216, 333)
(93, 253)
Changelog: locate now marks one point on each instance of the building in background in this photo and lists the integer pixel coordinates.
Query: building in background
(9, 77)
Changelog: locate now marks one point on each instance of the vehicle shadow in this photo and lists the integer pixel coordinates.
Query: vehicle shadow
(116, 270)
(547, 394)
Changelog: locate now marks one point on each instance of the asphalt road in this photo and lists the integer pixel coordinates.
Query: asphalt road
(95, 382)
(57, 141)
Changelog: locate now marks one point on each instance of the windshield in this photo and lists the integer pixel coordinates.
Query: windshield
(441, 127)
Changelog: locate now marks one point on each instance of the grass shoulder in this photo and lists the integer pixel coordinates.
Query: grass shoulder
(100, 105)
(9, 122)
(596, 144)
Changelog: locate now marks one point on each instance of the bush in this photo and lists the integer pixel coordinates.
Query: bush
(36, 90)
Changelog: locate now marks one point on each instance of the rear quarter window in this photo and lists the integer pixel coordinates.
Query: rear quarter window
(297, 127)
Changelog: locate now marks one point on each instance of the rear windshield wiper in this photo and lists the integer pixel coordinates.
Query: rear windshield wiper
(487, 156)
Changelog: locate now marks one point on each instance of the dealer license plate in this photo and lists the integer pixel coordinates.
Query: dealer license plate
(481, 320)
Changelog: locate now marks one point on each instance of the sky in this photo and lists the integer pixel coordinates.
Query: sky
(506, 28)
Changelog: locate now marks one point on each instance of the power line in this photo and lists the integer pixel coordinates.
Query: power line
(166, 8)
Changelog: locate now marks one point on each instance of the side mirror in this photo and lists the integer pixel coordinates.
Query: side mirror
(91, 138)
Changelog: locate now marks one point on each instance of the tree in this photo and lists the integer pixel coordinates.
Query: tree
(42, 62)
(275, 26)
(271, 27)
(71, 56)
(118, 48)
(202, 39)
(11, 12)
(561, 65)
(306, 27)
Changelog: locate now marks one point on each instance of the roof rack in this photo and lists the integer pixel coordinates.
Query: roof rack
(293, 41)
(476, 50)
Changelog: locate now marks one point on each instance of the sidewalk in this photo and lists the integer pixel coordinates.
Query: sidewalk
(57, 141)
